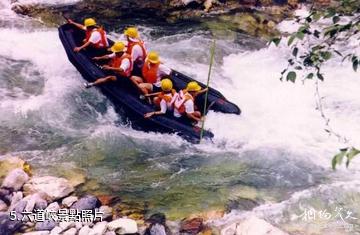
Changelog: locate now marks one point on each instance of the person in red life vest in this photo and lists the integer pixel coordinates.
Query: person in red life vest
(164, 99)
(120, 63)
(185, 102)
(152, 73)
(135, 47)
(95, 36)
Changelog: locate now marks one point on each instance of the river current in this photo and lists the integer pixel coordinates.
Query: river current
(276, 153)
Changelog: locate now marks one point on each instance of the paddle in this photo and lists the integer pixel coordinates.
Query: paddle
(212, 55)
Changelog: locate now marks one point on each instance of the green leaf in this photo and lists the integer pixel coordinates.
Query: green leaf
(335, 19)
(351, 154)
(355, 65)
(300, 35)
(310, 76)
(337, 159)
(291, 76)
(276, 41)
(326, 55)
(320, 76)
(295, 51)
(291, 40)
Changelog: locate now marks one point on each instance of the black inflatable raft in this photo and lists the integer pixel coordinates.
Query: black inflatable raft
(125, 97)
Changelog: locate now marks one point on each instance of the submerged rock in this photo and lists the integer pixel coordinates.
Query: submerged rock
(123, 226)
(254, 225)
(192, 226)
(88, 202)
(54, 188)
(15, 179)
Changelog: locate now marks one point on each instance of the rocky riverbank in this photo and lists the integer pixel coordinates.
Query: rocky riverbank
(40, 205)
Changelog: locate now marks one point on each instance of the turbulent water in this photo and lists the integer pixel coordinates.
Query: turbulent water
(276, 153)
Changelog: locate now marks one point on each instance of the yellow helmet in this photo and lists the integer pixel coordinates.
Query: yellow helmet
(166, 84)
(89, 22)
(193, 86)
(118, 47)
(153, 57)
(131, 32)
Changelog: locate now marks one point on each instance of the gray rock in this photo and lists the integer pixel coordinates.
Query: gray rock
(85, 230)
(15, 179)
(8, 227)
(106, 212)
(16, 197)
(5, 195)
(123, 226)
(254, 225)
(3, 206)
(54, 188)
(69, 201)
(56, 231)
(53, 207)
(37, 233)
(99, 228)
(71, 231)
(110, 233)
(45, 225)
(86, 203)
(158, 229)
(41, 204)
(67, 225)
(78, 225)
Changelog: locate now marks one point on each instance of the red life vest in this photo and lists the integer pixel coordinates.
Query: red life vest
(167, 96)
(150, 73)
(131, 45)
(102, 43)
(117, 61)
(180, 103)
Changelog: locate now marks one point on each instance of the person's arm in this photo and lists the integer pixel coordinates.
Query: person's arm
(104, 57)
(201, 92)
(125, 64)
(153, 94)
(163, 108)
(77, 25)
(77, 49)
(192, 116)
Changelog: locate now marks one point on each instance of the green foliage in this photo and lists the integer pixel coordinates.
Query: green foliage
(315, 43)
(349, 153)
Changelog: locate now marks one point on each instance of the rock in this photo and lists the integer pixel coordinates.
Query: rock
(157, 218)
(15, 179)
(56, 231)
(8, 227)
(254, 225)
(85, 230)
(53, 207)
(106, 212)
(8, 164)
(78, 225)
(110, 233)
(86, 203)
(69, 201)
(37, 233)
(16, 198)
(107, 200)
(5, 195)
(192, 226)
(3, 206)
(54, 188)
(71, 231)
(45, 225)
(40, 204)
(99, 228)
(123, 226)
(66, 225)
(157, 229)
(245, 204)
(209, 215)
(229, 229)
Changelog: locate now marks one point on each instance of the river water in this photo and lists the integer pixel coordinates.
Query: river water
(276, 153)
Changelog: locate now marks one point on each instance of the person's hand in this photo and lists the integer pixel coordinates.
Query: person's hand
(106, 67)
(96, 58)
(148, 115)
(70, 21)
(77, 49)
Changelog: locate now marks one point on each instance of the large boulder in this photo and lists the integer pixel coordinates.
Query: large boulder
(88, 202)
(254, 225)
(15, 179)
(54, 188)
(123, 226)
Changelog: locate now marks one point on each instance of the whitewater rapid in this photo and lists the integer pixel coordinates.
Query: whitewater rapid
(280, 131)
